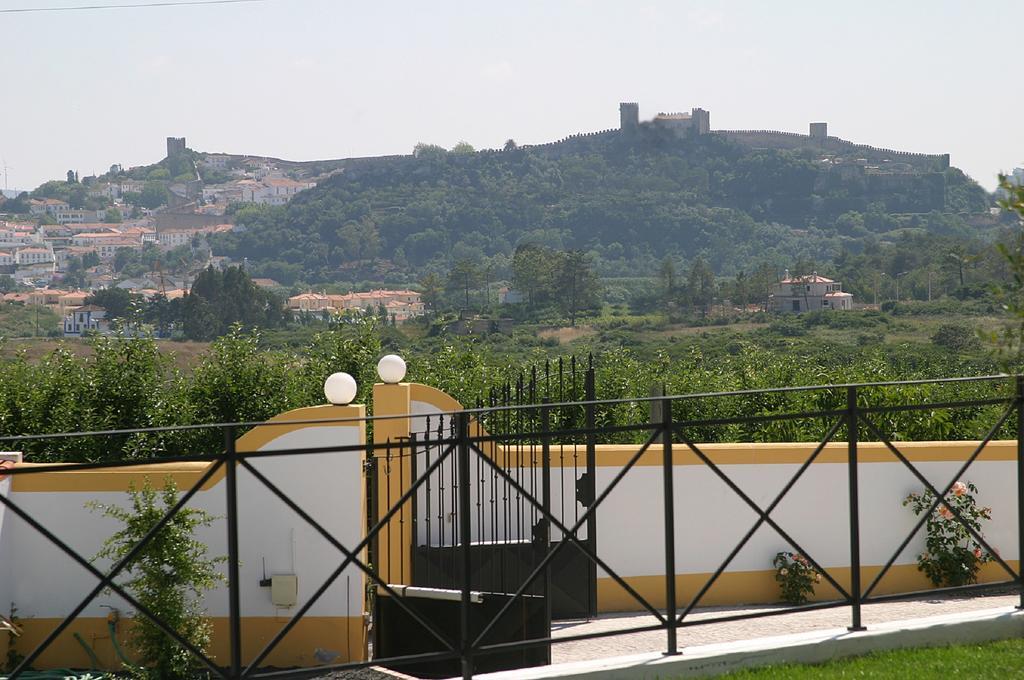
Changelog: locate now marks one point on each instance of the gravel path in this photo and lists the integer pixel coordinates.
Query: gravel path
(654, 641)
(638, 643)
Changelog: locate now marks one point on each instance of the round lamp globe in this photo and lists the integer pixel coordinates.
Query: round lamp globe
(391, 368)
(340, 389)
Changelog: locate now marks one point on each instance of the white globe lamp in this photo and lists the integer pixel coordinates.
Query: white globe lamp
(340, 389)
(391, 369)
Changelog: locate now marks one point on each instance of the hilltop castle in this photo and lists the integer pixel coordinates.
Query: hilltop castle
(837, 151)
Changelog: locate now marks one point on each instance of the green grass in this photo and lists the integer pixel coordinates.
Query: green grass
(19, 321)
(1003, 659)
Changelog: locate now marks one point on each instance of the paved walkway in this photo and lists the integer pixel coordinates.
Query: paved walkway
(654, 641)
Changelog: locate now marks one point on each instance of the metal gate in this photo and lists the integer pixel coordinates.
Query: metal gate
(550, 464)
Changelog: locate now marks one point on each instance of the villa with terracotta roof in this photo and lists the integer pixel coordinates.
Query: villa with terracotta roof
(400, 304)
(809, 293)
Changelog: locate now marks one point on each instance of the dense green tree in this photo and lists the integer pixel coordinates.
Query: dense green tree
(17, 205)
(463, 277)
(431, 289)
(220, 299)
(153, 195)
(577, 286)
(117, 301)
(700, 284)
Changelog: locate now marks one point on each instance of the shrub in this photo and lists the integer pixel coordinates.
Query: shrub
(956, 336)
(952, 557)
(168, 577)
(795, 576)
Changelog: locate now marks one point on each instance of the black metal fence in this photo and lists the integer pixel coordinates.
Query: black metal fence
(468, 453)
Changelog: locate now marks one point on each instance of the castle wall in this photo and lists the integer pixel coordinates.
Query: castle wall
(776, 139)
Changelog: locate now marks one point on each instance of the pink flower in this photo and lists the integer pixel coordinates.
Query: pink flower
(959, 489)
(977, 553)
(945, 512)
(817, 578)
(783, 571)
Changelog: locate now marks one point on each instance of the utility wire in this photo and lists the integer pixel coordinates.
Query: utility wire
(135, 5)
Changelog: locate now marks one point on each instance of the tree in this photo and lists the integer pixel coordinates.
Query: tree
(17, 205)
(431, 288)
(465, 274)
(1010, 341)
(700, 284)
(359, 240)
(168, 577)
(90, 259)
(221, 299)
(117, 302)
(510, 145)
(153, 195)
(113, 216)
(429, 151)
(463, 147)
(72, 177)
(667, 277)
(577, 286)
(7, 284)
(533, 269)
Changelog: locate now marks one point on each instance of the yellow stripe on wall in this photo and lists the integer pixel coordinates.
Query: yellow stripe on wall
(759, 587)
(341, 635)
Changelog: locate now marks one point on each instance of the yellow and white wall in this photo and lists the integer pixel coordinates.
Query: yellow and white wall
(45, 585)
(710, 519)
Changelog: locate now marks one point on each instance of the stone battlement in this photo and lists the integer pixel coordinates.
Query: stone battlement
(781, 139)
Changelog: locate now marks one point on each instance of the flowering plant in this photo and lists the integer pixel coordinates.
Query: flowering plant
(795, 576)
(952, 557)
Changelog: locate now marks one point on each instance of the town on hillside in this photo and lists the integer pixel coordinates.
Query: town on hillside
(145, 231)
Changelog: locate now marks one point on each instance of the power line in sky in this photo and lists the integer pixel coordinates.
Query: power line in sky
(134, 5)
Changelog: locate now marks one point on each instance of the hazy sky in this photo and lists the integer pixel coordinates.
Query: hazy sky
(305, 79)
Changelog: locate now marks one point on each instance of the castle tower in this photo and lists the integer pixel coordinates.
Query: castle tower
(629, 116)
(701, 124)
(819, 130)
(175, 146)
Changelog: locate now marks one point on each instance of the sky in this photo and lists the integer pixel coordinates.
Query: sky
(310, 79)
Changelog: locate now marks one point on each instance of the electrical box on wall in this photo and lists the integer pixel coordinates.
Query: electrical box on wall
(284, 590)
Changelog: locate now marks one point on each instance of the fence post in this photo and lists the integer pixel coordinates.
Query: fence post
(852, 430)
(670, 525)
(465, 537)
(590, 395)
(234, 600)
(545, 418)
(1020, 488)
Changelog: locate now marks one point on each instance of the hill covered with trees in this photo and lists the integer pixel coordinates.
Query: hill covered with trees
(626, 202)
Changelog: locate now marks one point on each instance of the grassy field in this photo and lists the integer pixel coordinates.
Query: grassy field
(185, 354)
(1003, 659)
(21, 321)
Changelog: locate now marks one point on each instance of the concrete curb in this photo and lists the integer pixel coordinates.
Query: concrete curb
(814, 647)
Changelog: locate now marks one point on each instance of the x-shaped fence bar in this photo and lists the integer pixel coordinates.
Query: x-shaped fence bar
(106, 581)
(851, 417)
(463, 445)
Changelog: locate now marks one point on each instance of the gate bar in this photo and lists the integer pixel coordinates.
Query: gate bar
(465, 537)
(855, 588)
(670, 527)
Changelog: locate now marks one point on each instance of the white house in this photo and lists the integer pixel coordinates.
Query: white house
(86, 318)
(30, 256)
(273, 190)
(809, 293)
